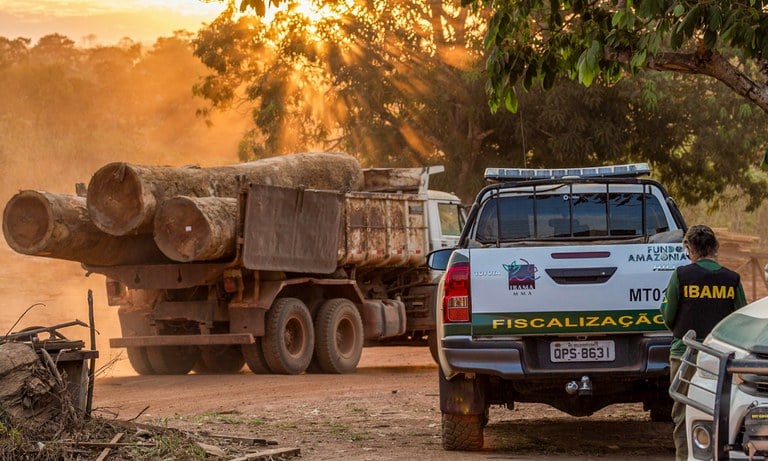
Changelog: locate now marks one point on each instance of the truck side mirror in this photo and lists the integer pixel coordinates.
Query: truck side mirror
(438, 259)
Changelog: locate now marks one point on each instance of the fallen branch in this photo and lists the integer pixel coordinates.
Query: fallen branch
(105, 452)
(268, 455)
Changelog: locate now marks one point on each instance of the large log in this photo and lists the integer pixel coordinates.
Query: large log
(58, 226)
(123, 198)
(196, 228)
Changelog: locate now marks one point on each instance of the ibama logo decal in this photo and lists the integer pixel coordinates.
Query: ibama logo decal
(521, 276)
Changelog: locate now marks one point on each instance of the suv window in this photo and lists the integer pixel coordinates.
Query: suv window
(570, 215)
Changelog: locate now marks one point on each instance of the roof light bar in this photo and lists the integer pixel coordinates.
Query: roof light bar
(522, 174)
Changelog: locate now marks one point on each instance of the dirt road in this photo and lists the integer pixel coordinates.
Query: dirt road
(388, 410)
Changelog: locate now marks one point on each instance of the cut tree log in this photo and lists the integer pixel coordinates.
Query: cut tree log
(58, 226)
(28, 394)
(196, 228)
(122, 198)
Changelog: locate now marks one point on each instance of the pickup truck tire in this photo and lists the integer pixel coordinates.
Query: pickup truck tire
(289, 338)
(219, 359)
(432, 344)
(661, 413)
(172, 360)
(462, 432)
(254, 358)
(338, 336)
(137, 356)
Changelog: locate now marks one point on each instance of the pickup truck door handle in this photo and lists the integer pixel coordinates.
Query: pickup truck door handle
(581, 275)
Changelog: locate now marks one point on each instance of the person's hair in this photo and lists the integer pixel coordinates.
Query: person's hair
(701, 239)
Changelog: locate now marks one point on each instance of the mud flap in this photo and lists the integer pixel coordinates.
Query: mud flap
(461, 396)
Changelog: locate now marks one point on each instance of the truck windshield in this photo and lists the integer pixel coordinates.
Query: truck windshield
(542, 216)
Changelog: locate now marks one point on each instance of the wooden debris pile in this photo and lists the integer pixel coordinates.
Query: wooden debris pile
(102, 440)
(136, 214)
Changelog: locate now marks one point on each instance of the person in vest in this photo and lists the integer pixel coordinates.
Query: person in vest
(698, 296)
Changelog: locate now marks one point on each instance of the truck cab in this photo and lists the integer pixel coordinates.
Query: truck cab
(552, 296)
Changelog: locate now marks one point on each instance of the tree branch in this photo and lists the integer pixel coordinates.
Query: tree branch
(703, 62)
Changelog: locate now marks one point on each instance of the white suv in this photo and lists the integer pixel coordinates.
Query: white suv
(727, 397)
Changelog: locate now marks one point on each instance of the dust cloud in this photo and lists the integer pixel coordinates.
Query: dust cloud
(66, 112)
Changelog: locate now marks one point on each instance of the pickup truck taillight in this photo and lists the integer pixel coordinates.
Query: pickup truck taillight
(456, 298)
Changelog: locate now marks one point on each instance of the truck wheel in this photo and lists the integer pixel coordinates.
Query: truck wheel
(432, 344)
(289, 338)
(137, 356)
(661, 413)
(254, 358)
(220, 359)
(462, 432)
(172, 360)
(339, 336)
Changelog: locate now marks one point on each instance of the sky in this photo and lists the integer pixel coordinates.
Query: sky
(108, 20)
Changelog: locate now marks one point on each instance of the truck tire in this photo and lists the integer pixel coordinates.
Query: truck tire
(338, 336)
(462, 432)
(661, 413)
(254, 358)
(432, 344)
(289, 339)
(137, 357)
(219, 359)
(172, 360)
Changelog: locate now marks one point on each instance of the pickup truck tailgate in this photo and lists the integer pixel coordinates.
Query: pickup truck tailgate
(570, 289)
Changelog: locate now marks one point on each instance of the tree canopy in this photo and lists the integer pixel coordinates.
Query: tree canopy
(538, 40)
(403, 84)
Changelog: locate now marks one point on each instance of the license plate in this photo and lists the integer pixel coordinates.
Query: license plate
(582, 351)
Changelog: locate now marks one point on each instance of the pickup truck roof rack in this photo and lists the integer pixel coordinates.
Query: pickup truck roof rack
(631, 170)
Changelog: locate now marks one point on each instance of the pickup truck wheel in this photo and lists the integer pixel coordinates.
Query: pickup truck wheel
(432, 344)
(339, 336)
(220, 359)
(172, 360)
(137, 356)
(289, 339)
(254, 358)
(462, 432)
(661, 413)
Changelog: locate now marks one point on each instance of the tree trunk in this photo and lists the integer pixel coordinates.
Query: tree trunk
(57, 226)
(122, 198)
(196, 228)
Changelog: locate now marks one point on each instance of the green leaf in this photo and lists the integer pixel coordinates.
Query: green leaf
(638, 60)
(510, 100)
(679, 10)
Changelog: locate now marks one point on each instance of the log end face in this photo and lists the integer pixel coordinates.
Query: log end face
(27, 222)
(116, 200)
(181, 231)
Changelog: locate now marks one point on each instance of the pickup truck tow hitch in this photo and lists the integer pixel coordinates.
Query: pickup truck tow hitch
(579, 388)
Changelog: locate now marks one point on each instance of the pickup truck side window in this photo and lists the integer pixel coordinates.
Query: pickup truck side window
(568, 216)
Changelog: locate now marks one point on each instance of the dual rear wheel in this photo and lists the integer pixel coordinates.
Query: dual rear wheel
(332, 342)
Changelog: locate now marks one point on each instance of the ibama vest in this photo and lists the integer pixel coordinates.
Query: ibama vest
(706, 297)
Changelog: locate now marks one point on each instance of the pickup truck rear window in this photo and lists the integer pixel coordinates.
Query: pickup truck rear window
(569, 216)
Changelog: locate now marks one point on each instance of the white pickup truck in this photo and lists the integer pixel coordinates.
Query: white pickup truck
(552, 296)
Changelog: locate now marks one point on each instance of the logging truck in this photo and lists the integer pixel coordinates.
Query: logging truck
(211, 269)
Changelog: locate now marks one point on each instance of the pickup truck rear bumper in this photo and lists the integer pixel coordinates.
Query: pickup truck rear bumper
(637, 356)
